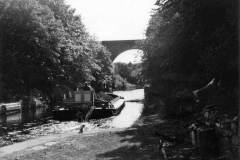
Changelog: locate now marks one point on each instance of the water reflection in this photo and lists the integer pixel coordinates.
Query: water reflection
(24, 116)
(3, 120)
(129, 115)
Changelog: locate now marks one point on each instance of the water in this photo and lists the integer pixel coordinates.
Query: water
(133, 95)
(128, 116)
(21, 118)
(30, 124)
(34, 116)
(132, 110)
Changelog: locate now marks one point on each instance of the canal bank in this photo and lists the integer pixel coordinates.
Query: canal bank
(135, 142)
(130, 135)
(127, 118)
(23, 119)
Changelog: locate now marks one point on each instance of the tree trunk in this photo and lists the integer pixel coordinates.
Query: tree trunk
(1, 83)
(238, 119)
(238, 88)
(238, 95)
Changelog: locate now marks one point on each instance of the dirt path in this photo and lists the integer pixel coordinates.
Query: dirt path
(136, 142)
(126, 136)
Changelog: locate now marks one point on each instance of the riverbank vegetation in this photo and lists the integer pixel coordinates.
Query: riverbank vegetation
(44, 46)
(191, 71)
(188, 44)
(127, 76)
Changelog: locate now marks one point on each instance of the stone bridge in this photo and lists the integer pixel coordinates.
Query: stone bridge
(116, 47)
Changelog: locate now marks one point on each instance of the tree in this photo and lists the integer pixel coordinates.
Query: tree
(2, 6)
(188, 43)
(130, 72)
(28, 57)
(91, 59)
(45, 45)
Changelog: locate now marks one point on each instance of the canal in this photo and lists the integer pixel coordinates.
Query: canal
(23, 119)
(38, 122)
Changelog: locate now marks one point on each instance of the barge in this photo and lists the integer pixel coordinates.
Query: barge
(86, 104)
(10, 108)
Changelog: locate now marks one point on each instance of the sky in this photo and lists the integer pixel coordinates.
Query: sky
(133, 56)
(115, 20)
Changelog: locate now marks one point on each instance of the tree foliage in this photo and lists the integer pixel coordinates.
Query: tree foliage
(188, 43)
(45, 45)
(131, 72)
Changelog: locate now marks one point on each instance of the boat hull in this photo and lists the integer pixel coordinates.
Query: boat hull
(73, 113)
(106, 106)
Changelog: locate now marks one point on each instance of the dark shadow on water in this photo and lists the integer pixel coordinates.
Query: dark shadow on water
(67, 116)
(142, 144)
(20, 119)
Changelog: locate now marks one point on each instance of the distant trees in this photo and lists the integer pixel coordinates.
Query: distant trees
(131, 72)
(44, 45)
(188, 43)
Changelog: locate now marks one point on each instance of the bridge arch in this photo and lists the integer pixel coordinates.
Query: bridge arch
(116, 47)
(129, 56)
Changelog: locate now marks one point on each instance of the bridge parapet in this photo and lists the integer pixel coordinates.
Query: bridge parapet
(116, 47)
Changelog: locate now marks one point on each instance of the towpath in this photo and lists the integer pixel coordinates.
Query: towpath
(129, 135)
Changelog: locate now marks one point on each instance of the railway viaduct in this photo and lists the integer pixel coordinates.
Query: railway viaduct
(116, 47)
